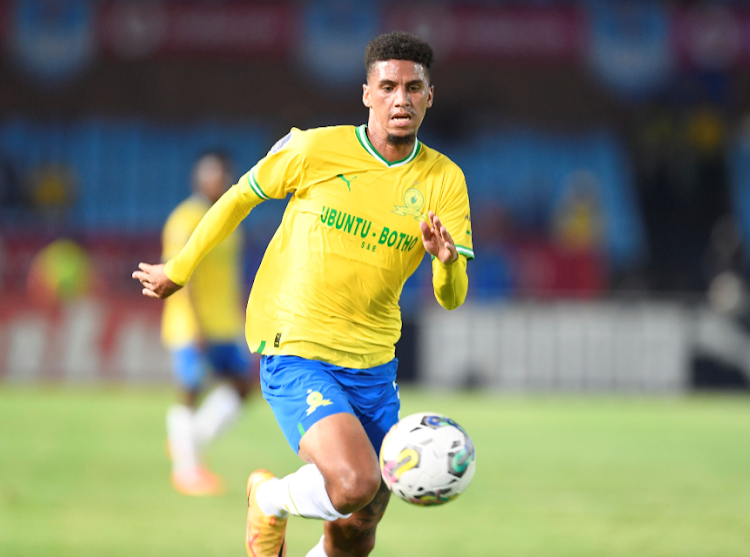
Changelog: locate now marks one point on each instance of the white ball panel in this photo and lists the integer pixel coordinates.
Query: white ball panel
(431, 479)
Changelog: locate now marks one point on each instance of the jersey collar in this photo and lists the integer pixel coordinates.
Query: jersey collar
(361, 133)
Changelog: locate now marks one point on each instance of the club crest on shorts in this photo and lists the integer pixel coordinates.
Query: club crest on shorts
(314, 400)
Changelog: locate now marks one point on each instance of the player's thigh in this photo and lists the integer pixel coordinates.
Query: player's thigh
(374, 396)
(319, 423)
(301, 393)
(379, 414)
(356, 535)
(339, 446)
(189, 367)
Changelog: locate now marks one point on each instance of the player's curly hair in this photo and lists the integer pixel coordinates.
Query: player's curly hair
(398, 45)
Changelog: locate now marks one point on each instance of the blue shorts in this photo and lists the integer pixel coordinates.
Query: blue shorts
(302, 392)
(191, 365)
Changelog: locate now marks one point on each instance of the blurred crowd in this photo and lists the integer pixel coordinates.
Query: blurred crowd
(604, 144)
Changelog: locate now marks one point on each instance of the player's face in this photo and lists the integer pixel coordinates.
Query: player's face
(211, 178)
(398, 93)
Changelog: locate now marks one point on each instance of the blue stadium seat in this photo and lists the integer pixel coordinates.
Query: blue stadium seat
(127, 175)
(130, 174)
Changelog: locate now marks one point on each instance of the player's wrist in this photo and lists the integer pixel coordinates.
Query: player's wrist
(453, 255)
(171, 274)
(451, 260)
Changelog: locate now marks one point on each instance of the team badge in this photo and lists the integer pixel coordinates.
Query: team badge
(413, 202)
(314, 400)
(279, 145)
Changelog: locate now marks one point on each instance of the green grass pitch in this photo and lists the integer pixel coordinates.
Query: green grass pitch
(84, 473)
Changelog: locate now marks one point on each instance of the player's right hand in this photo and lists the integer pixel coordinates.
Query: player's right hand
(437, 241)
(156, 284)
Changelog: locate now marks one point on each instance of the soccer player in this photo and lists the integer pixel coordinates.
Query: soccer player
(366, 203)
(201, 326)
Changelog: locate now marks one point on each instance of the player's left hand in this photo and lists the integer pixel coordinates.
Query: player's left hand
(156, 284)
(437, 241)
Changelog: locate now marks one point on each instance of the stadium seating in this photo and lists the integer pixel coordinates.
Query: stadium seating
(124, 177)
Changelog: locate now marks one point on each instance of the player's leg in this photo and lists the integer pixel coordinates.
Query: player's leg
(222, 406)
(343, 475)
(308, 402)
(339, 449)
(377, 404)
(189, 372)
(345, 478)
(187, 474)
(354, 535)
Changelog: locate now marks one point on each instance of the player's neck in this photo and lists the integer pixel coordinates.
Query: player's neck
(389, 151)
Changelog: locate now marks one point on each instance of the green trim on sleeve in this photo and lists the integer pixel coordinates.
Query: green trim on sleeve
(466, 252)
(255, 187)
(261, 347)
(460, 252)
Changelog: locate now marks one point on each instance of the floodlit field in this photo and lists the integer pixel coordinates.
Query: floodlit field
(84, 473)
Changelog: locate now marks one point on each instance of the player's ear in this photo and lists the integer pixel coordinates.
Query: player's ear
(366, 95)
(430, 95)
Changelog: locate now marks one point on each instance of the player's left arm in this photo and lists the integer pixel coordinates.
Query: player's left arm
(278, 173)
(161, 281)
(449, 278)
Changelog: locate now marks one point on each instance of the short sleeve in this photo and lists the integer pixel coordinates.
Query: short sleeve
(455, 214)
(279, 172)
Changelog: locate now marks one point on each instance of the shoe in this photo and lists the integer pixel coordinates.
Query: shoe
(265, 534)
(197, 482)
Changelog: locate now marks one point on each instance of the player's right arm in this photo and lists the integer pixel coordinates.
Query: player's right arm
(161, 281)
(450, 250)
(273, 177)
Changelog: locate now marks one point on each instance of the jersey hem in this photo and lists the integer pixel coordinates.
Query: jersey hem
(313, 351)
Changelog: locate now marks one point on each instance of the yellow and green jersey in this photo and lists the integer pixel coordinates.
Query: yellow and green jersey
(210, 308)
(329, 284)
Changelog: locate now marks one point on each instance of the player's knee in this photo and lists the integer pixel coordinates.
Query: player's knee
(355, 489)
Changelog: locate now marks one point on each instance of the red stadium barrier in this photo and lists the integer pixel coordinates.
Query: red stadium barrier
(151, 29)
(495, 32)
(110, 332)
(89, 340)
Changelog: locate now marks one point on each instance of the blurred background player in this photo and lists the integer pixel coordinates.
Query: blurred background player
(61, 272)
(201, 326)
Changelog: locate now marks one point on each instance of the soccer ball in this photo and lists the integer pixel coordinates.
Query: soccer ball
(427, 459)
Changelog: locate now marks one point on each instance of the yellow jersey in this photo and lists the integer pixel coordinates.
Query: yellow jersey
(329, 284)
(210, 308)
